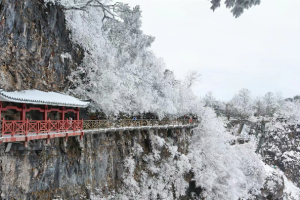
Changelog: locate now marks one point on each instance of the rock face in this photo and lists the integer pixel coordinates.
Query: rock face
(76, 169)
(273, 187)
(281, 149)
(278, 144)
(35, 50)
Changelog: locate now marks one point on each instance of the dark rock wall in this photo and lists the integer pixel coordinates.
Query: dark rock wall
(75, 169)
(33, 40)
(281, 149)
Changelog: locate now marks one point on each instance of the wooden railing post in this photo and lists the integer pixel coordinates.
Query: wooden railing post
(0, 108)
(57, 126)
(27, 127)
(74, 124)
(3, 126)
(67, 125)
(48, 125)
(12, 129)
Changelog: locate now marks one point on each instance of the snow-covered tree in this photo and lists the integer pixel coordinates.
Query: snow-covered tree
(271, 103)
(259, 106)
(209, 100)
(291, 111)
(237, 6)
(242, 103)
(119, 73)
(221, 170)
(268, 104)
(192, 78)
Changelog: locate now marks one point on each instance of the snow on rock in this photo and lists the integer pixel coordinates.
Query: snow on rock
(277, 185)
(65, 56)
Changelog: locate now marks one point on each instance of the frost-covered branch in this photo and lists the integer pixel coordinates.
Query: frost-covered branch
(110, 11)
(237, 6)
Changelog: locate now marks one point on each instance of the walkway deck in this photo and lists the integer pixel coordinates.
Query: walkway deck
(20, 131)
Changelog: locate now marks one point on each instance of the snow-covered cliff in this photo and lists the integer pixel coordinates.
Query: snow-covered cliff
(85, 50)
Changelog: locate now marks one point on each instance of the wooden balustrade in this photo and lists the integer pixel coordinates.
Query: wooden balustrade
(25, 127)
(26, 130)
(105, 124)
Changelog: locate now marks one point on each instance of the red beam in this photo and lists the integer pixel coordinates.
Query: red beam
(55, 109)
(26, 139)
(11, 108)
(71, 110)
(35, 108)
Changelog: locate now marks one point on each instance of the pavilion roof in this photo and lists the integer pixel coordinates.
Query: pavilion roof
(42, 98)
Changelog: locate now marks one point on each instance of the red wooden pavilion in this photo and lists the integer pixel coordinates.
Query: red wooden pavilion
(24, 130)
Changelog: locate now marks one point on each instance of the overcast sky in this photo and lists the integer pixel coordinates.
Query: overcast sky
(258, 51)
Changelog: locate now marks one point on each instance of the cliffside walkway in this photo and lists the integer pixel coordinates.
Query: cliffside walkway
(26, 130)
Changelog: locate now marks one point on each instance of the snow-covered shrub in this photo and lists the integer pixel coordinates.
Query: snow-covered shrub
(222, 170)
(163, 177)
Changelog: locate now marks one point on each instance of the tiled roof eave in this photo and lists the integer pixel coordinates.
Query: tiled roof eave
(19, 100)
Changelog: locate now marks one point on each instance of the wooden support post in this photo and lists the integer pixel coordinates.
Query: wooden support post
(48, 140)
(0, 108)
(23, 112)
(3, 127)
(77, 114)
(81, 135)
(26, 141)
(62, 114)
(26, 127)
(45, 113)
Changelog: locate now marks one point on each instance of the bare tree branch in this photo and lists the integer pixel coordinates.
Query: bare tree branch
(109, 11)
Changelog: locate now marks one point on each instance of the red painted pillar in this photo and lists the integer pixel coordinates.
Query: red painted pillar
(45, 113)
(0, 108)
(23, 112)
(62, 114)
(77, 114)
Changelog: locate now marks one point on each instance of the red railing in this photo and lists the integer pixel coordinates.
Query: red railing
(25, 127)
(21, 127)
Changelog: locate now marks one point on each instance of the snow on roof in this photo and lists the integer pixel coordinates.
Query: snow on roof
(42, 98)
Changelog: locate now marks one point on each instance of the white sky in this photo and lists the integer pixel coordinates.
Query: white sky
(258, 51)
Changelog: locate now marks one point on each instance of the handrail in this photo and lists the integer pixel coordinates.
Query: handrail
(101, 124)
(25, 127)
